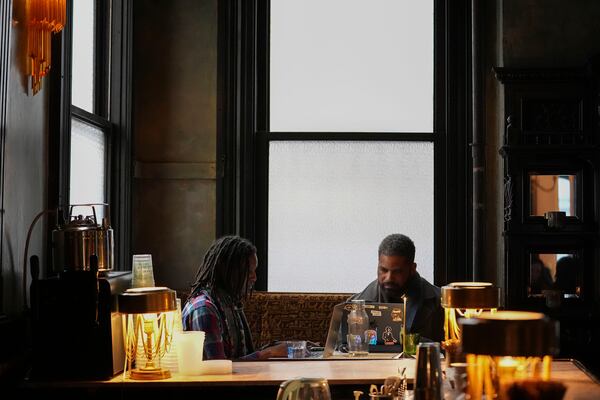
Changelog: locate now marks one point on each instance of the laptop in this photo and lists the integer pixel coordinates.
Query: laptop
(386, 321)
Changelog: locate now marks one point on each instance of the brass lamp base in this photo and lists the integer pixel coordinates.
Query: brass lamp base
(148, 374)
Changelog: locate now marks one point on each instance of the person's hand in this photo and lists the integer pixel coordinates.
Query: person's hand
(278, 350)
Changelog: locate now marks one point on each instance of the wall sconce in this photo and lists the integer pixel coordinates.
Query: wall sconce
(148, 318)
(506, 351)
(467, 300)
(44, 17)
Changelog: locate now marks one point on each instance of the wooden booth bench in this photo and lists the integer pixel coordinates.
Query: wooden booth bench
(285, 315)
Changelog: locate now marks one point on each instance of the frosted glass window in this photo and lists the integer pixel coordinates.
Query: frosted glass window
(83, 54)
(331, 204)
(351, 65)
(88, 165)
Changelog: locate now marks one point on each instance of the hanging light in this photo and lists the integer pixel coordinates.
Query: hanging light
(44, 18)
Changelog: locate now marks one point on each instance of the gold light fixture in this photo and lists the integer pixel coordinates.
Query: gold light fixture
(148, 321)
(467, 300)
(506, 350)
(44, 18)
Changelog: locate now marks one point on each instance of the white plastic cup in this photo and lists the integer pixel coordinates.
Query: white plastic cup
(143, 273)
(190, 347)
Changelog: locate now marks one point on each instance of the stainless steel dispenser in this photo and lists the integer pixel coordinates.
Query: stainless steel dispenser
(80, 237)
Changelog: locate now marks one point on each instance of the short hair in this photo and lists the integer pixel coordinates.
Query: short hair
(397, 244)
(226, 266)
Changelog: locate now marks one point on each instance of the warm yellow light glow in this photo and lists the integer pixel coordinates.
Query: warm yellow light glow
(451, 327)
(148, 289)
(512, 315)
(470, 284)
(152, 335)
(44, 18)
(493, 376)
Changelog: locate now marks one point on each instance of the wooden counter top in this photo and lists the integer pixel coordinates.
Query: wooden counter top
(580, 384)
(260, 379)
(264, 373)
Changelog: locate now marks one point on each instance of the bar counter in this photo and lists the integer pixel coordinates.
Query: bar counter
(260, 380)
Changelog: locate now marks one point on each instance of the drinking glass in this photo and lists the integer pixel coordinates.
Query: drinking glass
(411, 340)
(296, 348)
(304, 389)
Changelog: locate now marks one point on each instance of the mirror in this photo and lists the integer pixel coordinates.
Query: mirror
(554, 272)
(552, 193)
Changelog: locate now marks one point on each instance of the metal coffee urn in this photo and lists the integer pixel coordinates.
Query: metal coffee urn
(74, 241)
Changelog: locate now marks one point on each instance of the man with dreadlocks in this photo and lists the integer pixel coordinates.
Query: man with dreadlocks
(223, 281)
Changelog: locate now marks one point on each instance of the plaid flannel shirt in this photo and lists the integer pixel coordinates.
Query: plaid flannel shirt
(201, 313)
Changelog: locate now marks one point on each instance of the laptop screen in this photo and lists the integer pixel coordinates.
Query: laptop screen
(386, 322)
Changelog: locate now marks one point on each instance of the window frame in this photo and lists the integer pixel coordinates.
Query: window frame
(243, 135)
(103, 125)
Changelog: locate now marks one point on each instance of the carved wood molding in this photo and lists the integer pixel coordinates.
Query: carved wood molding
(508, 198)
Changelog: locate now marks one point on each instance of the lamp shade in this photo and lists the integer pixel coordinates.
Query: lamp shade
(474, 295)
(147, 300)
(510, 333)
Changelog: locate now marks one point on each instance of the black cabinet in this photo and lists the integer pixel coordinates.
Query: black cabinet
(551, 153)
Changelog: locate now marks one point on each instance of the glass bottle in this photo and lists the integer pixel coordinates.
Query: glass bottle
(358, 324)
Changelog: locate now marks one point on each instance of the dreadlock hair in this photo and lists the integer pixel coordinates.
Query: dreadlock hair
(225, 266)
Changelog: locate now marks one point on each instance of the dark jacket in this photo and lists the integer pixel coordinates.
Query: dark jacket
(424, 312)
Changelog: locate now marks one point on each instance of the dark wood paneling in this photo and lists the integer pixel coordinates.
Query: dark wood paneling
(5, 8)
(25, 156)
(22, 186)
(174, 222)
(175, 82)
(540, 33)
(174, 134)
(551, 129)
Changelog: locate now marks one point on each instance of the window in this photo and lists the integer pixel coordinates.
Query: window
(327, 195)
(341, 137)
(90, 113)
(90, 127)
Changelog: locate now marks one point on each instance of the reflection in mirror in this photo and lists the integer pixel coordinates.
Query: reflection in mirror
(552, 193)
(560, 272)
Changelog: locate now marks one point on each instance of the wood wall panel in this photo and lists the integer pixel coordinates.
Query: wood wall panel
(174, 120)
(24, 163)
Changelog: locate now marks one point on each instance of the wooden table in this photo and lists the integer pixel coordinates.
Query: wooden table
(261, 379)
(580, 384)
(273, 373)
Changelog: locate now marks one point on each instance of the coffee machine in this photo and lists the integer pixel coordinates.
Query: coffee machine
(76, 331)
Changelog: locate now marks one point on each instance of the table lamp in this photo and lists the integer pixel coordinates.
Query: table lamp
(507, 348)
(467, 300)
(148, 320)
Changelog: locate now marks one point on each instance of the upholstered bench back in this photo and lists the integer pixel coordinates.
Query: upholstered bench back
(282, 316)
